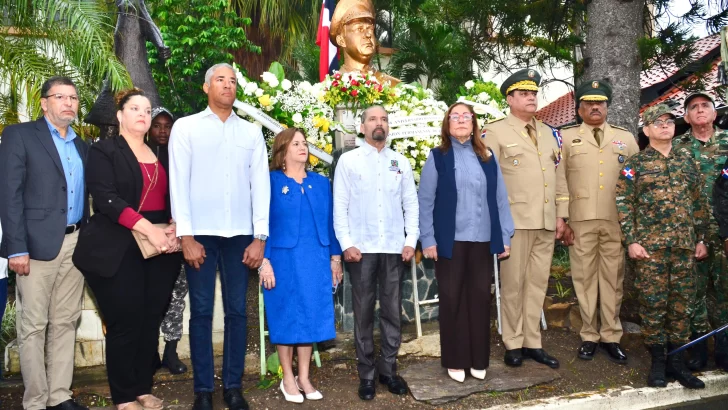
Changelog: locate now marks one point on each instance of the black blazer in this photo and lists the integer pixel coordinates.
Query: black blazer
(114, 180)
(33, 198)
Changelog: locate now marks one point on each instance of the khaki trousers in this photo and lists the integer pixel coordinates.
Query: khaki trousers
(524, 279)
(597, 269)
(50, 298)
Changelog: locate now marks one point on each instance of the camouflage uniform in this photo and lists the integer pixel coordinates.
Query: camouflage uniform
(661, 208)
(711, 281)
(172, 323)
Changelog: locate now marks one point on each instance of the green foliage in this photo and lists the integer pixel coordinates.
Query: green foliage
(273, 365)
(43, 38)
(561, 291)
(487, 87)
(200, 33)
(306, 57)
(7, 331)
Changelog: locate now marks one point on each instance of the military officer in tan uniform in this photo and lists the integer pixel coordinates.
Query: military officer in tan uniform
(528, 152)
(593, 156)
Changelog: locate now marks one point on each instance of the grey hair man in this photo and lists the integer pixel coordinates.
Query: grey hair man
(221, 210)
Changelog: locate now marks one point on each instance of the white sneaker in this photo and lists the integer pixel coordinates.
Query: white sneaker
(478, 374)
(457, 376)
(293, 398)
(316, 395)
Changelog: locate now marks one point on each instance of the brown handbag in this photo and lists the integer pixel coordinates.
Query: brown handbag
(145, 246)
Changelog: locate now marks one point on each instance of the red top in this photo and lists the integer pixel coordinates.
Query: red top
(154, 199)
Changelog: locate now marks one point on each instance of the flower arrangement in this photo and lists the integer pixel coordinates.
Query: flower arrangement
(355, 89)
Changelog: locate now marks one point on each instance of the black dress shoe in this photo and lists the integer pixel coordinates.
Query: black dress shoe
(514, 357)
(67, 405)
(615, 352)
(541, 356)
(367, 391)
(395, 384)
(234, 399)
(586, 350)
(203, 401)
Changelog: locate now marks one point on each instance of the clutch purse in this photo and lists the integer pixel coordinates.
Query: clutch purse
(148, 250)
(145, 246)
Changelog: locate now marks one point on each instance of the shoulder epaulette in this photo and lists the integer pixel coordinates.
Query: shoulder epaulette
(494, 121)
(619, 128)
(566, 127)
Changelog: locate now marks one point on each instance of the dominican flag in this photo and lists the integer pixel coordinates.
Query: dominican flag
(329, 60)
(724, 173)
(628, 173)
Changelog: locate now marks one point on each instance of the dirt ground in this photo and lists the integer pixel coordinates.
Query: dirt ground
(337, 379)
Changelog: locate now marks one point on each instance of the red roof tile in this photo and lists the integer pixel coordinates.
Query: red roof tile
(562, 111)
(559, 112)
(678, 95)
(658, 74)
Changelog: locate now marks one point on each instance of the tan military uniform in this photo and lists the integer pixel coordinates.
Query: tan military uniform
(585, 193)
(530, 177)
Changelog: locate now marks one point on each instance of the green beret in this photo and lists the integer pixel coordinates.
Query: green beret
(597, 90)
(526, 79)
(655, 112)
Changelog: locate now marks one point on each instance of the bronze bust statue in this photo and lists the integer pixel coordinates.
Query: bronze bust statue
(352, 29)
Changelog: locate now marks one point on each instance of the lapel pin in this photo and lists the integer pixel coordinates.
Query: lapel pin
(285, 190)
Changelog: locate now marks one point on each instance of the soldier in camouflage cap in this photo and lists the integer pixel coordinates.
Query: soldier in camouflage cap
(663, 215)
(708, 146)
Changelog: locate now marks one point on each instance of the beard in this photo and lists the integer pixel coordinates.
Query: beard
(379, 135)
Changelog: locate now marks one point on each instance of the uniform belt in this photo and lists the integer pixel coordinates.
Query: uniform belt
(72, 228)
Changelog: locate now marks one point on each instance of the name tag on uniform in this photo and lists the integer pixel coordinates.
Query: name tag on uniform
(511, 145)
(577, 141)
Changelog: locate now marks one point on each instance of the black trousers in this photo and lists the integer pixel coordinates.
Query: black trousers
(464, 291)
(386, 270)
(132, 304)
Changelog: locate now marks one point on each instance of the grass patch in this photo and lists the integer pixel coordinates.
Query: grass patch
(560, 263)
(7, 331)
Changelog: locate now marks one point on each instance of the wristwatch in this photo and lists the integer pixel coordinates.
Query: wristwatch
(261, 238)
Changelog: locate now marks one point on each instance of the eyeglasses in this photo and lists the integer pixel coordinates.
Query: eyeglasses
(62, 97)
(456, 117)
(660, 123)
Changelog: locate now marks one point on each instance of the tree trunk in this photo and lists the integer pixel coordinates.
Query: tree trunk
(611, 52)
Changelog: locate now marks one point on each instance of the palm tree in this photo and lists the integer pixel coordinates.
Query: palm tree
(434, 54)
(277, 27)
(42, 38)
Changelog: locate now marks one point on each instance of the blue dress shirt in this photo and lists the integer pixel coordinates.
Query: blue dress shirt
(72, 170)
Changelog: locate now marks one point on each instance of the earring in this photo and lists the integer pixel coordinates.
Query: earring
(284, 166)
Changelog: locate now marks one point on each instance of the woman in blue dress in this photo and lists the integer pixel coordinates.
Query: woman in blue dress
(302, 262)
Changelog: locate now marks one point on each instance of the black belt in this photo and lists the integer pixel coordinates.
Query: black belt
(72, 228)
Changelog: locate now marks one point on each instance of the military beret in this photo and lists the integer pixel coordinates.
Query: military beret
(653, 113)
(597, 90)
(703, 94)
(348, 10)
(526, 79)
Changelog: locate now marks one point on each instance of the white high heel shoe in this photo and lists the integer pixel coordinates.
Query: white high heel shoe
(478, 374)
(310, 396)
(457, 376)
(293, 398)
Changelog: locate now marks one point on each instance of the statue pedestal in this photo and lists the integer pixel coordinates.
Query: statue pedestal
(351, 120)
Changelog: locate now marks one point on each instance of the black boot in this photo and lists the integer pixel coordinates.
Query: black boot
(698, 354)
(677, 370)
(657, 377)
(721, 350)
(170, 359)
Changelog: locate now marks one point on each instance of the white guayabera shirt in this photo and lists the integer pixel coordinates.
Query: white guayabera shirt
(375, 201)
(219, 181)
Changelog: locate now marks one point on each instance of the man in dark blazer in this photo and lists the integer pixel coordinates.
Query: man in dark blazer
(43, 203)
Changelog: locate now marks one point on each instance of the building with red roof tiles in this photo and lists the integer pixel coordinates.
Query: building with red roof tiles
(660, 84)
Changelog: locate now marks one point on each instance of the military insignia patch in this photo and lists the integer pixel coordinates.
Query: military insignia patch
(531, 73)
(724, 173)
(576, 141)
(628, 173)
(516, 162)
(620, 159)
(395, 163)
(595, 84)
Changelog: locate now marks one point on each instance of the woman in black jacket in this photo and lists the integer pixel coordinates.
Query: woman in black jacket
(129, 188)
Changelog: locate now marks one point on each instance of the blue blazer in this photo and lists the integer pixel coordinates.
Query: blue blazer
(285, 211)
